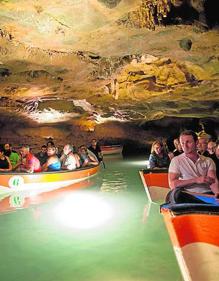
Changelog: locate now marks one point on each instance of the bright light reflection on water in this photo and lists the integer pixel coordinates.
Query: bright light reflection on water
(83, 211)
(141, 163)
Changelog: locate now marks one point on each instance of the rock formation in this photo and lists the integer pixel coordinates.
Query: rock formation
(155, 12)
(80, 77)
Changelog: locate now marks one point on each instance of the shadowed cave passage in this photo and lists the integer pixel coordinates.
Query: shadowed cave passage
(135, 138)
(186, 12)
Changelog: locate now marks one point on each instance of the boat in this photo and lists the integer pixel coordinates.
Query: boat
(15, 182)
(155, 182)
(111, 149)
(193, 229)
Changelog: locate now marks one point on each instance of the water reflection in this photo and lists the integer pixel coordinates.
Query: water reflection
(130, 245)
(114, 179)
(25, 199)
(114, 183)
(146, 212)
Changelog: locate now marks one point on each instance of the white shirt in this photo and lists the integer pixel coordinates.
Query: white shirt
(70, 162)
(187, 169)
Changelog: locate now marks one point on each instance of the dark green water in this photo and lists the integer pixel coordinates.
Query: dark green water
(132, 245)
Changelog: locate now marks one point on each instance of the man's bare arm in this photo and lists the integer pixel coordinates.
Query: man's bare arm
(175, 182)
(214, 185)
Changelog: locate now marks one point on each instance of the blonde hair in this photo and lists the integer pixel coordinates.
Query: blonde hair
(157, 142)
(203, 135)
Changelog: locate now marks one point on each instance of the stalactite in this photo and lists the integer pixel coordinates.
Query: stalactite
(149, 14)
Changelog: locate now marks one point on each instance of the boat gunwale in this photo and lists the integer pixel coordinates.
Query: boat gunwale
(154, 171)
(11, 181)
(111, 146)
(111, 149)
(15, 173)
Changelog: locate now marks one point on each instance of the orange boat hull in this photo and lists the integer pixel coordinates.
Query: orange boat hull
(156, 184)
(23, 181)
(195, 239)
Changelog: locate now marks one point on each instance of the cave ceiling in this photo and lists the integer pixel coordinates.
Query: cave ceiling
(91, 62)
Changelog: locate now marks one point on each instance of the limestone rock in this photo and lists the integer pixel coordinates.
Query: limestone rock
(197, 71)
(159, 76)
(185, 44)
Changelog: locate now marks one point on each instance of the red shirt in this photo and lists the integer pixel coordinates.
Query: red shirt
(32, 163)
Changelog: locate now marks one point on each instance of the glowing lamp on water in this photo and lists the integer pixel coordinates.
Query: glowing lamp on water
(83, 211)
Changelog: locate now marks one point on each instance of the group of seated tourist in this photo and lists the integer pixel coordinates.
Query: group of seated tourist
(193, 164)
(160, 156)
(48, 158)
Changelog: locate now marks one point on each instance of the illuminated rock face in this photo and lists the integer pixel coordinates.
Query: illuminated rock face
(82, 69)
